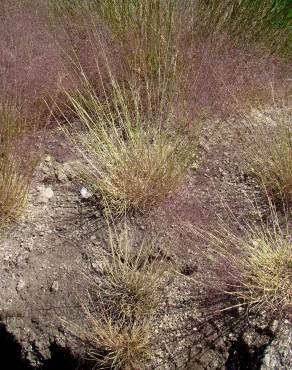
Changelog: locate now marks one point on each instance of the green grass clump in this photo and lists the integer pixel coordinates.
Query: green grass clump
(147, 28)
(262, 21)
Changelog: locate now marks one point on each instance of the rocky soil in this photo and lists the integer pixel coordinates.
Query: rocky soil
(44, 254)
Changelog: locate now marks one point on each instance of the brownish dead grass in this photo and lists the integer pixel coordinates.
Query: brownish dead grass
(268, 151)
(16, 169)
(249, 268)
(131, 161)
(121, 304)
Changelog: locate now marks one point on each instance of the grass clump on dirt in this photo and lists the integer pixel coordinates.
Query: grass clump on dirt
(117, 345)
(251, 268)
(268, 154)
(132, 160)
(131, 275)
(16, 168)
(123, 301)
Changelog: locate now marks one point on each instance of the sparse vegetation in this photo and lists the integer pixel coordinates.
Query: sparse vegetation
(262, 21)
(123, 300)
(132, 161)
(250, 268)
(131, 276)
(268, 154)
(117, 345)
(15, 171)
(140, 87)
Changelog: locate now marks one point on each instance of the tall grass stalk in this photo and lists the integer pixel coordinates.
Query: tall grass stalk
(121, 303)
(268, 151)
(249, 267)
(264, 21)
(16, 169)
(147, 33)
(133, 158)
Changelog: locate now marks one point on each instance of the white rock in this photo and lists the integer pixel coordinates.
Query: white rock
(48, 158)
(85, 194)
(20, 285)
(60, 174)
(45, 194)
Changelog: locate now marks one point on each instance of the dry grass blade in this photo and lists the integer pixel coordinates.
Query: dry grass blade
(117, 344)
(132, 160)
(14, 187)
(268, 154)
(267, 273)
(131, 278)
(251, 268)
(15, 170)
(121, 304)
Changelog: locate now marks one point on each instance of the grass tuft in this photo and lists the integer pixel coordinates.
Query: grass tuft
(131, 275)
(116, 345)
(122, 304)
(251, 268)
(266, 22)
(16, 169)
(268, 154)
(132, 160)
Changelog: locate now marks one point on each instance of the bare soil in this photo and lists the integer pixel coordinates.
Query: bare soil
(45, 252)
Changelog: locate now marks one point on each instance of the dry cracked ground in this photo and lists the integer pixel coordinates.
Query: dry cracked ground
(45, 254)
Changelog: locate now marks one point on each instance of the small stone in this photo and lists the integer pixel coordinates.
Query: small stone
(98, 266)
(97, 214)
(194, 166)
(45, 194)
(60, 175)
(274, 326)
(68, 169)
(55, 286)
(85, 194)
(20, 285)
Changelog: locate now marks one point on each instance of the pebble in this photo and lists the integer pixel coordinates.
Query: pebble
(60, 175)
(45, 194)
(20, 285)
(85, 194)
(55, 286)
